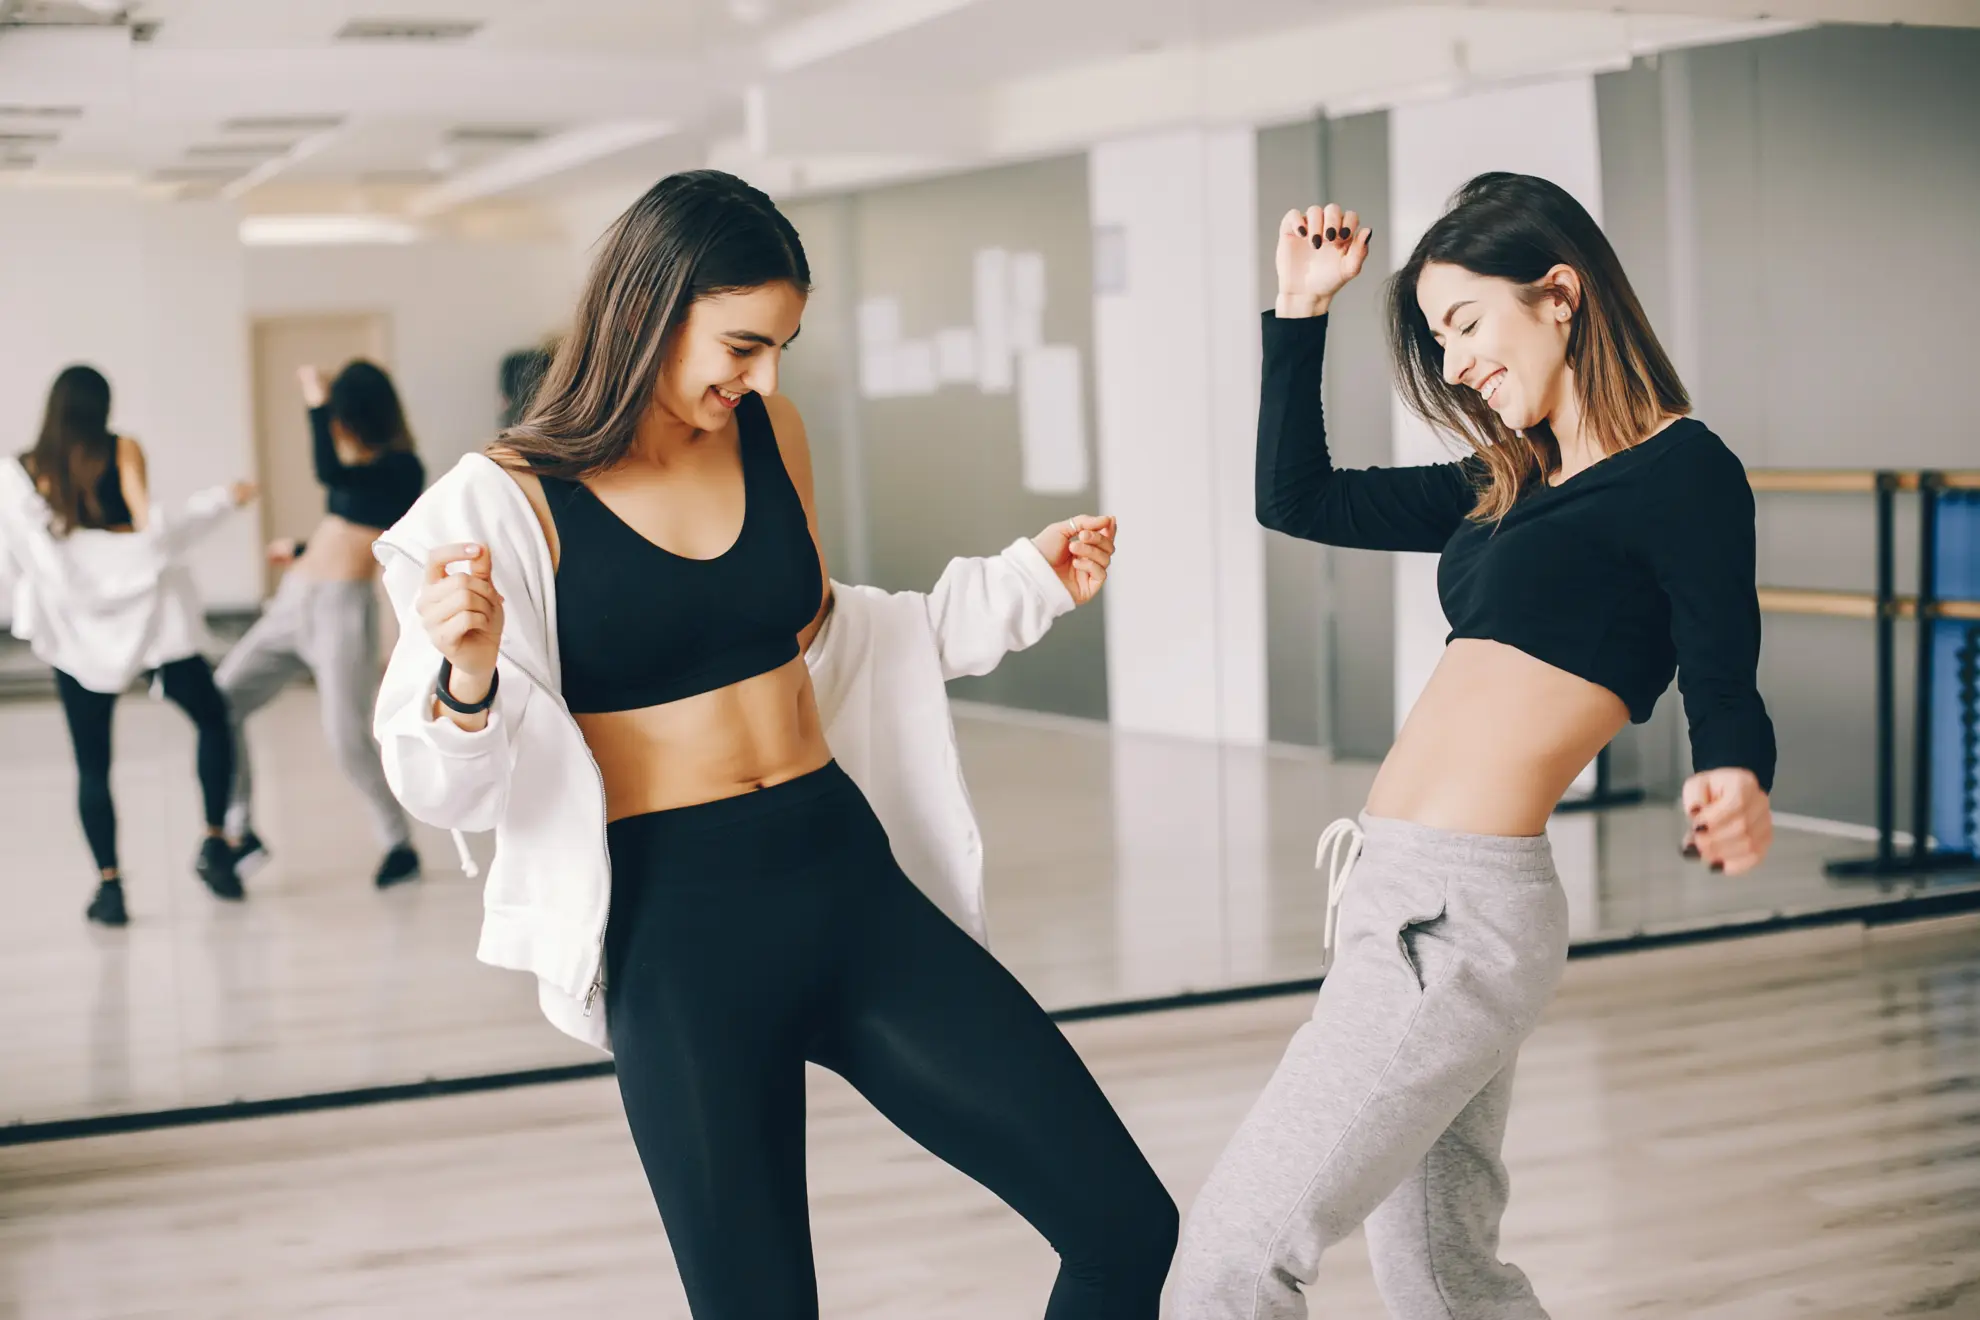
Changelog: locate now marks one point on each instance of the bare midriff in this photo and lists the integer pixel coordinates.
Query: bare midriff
(1494, 741)
(750, 735)
(338, 551)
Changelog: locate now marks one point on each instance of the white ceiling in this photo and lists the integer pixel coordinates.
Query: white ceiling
(544, 99)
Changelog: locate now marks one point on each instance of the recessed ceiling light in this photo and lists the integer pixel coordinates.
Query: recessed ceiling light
(325, 230)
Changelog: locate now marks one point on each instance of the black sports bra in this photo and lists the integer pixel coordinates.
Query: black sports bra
(640, 626)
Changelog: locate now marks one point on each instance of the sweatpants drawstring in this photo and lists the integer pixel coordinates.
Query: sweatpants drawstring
(1339, 850)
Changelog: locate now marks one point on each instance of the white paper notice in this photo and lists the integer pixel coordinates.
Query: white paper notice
(879, 329)
(1052, 421)
(993, 321)
(955, 356)
(914, 367)
(1027, 300)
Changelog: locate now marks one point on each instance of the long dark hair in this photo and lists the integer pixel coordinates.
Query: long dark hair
(75, 448)
(693, 234)
(364, 400)
(1517, 227)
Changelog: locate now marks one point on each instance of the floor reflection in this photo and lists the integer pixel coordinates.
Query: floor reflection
(1121, 867)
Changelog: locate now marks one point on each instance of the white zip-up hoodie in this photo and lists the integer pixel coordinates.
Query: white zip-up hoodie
(103, 607)
(877, 666)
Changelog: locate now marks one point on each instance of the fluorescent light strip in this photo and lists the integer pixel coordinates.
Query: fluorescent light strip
(526, 165)
(850, 26)
(325, 230)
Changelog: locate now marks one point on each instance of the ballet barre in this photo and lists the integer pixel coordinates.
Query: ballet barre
(1885, 606)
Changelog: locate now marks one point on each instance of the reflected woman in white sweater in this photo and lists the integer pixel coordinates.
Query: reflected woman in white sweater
(101, 595)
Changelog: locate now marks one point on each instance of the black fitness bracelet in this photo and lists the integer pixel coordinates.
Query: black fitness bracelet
(456, 705)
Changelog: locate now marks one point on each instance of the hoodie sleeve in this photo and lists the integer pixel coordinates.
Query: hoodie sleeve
(983, 609)
(441, 773)
(178, 528)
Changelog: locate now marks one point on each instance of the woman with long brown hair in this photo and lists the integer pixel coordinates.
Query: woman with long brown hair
(101, 596)
(608, 624)
(1597, 539)
(323, 620)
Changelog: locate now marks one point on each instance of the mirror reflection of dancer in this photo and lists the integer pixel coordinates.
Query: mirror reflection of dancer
(1597, 539)
(101, 594)
(323, 619)
(660, 753)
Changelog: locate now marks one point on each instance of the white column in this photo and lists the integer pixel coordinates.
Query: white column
(1176, 396)
(1544, 128)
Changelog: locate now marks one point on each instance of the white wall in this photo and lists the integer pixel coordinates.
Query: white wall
(454, 307)
(1176, 390)
(150, 293)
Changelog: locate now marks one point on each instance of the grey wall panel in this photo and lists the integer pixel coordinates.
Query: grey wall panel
(1297, 686)
(818, 374)
(943, 472)
(1817, 210)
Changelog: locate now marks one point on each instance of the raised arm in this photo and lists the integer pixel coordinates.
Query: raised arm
(1299, 490)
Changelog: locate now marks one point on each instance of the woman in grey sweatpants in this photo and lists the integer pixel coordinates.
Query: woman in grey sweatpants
(1596, 540)
(324, 618)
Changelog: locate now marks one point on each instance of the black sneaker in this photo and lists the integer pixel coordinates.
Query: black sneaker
(107, 908)
(216, 867)
(250, 855)
(399, 866)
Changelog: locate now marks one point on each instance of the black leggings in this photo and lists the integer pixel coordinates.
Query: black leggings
(751, 934)
(189, 686)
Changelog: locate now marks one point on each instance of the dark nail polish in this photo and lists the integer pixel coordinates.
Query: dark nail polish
(1317, 240)
(1718, 868)
(1689, 852)
(1331, 235)
(1371, 238)
(1302, 231)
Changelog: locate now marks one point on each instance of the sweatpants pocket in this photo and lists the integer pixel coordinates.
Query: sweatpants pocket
(1409, 931)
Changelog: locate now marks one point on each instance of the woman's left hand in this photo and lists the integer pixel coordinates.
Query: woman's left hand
(1731, 822)
(1079, 550)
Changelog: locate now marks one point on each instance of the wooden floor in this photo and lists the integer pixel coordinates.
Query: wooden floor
(1782, 1128)
(1139, 867)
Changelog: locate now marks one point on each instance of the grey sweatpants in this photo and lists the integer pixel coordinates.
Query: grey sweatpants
(1389, 1106)
(329, 630)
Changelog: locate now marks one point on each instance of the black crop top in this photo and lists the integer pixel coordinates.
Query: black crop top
(641, 626)
(1638, 566)
(374, 494)
(110, 501)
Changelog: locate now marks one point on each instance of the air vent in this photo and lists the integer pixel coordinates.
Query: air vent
(421, 30)
(15, 141)
(40, 111)
(495, 135)
(292, 124)
(61, 13)
(238, 150)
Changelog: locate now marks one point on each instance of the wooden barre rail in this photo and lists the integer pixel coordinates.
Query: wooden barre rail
(1842, 481)
(1858, 604)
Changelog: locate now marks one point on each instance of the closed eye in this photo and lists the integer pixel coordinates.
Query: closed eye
(1468, 329)
(741, 352)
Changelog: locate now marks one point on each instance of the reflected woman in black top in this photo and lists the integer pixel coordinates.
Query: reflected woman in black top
(324, 617)
(1595, 541)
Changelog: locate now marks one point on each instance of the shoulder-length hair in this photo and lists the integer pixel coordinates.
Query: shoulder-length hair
(1517, 227)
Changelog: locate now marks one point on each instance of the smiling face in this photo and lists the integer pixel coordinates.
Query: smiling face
(731, 344)
(1502, 340)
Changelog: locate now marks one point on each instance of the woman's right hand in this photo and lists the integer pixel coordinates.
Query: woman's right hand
(315, 391)
(281, 552)
(462, 614)
(1320, 250)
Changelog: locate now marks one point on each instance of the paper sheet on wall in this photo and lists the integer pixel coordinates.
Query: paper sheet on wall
(1052, 421)
(955, 356)
(879, 331)
(1027, 292)
(914, 367)
(993, 321)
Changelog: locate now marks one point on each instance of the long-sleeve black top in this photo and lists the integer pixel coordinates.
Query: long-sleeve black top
(374, 494)
(1637, 567)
